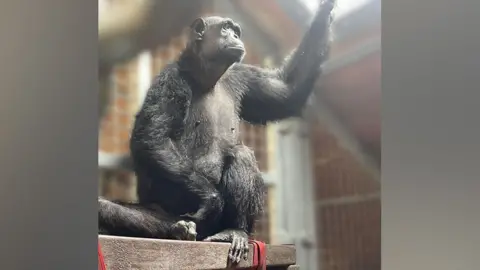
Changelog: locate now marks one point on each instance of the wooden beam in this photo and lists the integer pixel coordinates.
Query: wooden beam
(122, 253)
(356, 54)
(349, 199)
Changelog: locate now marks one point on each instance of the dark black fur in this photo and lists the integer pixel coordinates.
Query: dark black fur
(195, 180)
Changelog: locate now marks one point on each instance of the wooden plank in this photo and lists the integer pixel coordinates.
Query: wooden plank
(122, 253)
(290, 267)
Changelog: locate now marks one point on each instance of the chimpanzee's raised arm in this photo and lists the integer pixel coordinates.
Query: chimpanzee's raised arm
(269, 95)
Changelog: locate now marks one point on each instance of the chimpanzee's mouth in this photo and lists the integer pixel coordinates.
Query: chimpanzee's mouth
(236, 48)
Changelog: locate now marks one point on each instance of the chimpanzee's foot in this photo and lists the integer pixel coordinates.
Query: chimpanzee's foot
(184, 230)
(238, 238)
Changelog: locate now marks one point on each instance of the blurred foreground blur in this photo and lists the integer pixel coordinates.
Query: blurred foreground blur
(323, 171)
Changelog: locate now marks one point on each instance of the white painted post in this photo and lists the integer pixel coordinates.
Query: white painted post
(295, 221)
(144, 75)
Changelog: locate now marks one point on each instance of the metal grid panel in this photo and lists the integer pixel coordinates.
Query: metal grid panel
(348, 207)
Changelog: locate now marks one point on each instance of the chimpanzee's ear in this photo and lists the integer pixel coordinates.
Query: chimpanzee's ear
(198, 28)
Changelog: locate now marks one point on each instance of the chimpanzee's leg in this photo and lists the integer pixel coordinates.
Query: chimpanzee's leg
(243, 189)
(136, 220)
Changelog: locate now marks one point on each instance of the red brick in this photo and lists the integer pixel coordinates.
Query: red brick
(122, 87)
(123, 148)
(125, 120)
(121, 104)
(106, 144)
(121, 72)
(107, 130)
(124, 135)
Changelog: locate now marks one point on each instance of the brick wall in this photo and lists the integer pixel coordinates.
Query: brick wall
(348, 207)
(116, 125)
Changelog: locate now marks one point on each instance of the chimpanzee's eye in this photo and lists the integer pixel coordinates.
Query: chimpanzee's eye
(224, 27)
(237, 31)
(229, 25)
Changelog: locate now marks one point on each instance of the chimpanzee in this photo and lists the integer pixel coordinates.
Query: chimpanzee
(196, 181)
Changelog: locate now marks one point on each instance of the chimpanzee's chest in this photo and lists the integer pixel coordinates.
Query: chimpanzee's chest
(211, 128)
(213, 118)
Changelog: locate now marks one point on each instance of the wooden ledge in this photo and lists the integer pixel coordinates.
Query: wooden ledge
(127, 253)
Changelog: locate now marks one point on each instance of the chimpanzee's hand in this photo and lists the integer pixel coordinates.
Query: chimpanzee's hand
(238, 249)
